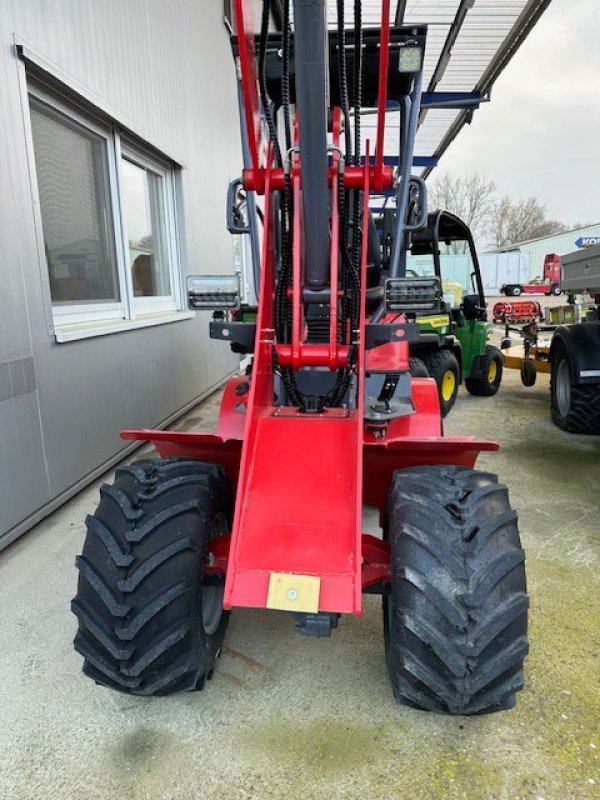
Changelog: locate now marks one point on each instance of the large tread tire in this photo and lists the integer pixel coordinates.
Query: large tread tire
(576, 410)
(456, 617)
(489, 383)
(417, 368)
(150, 621)
(439, 364)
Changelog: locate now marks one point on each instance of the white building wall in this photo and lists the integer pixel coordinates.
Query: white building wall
(561, 244)
(167, 71)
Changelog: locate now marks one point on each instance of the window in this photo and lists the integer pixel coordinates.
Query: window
(456, 268)
(108, 214)
(144, 206)
(74, 198)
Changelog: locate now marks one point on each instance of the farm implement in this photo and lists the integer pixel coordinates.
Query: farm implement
(517, 311)
(567, 347)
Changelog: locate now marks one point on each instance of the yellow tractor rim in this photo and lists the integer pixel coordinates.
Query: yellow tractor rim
(492, 371)
(448, 385)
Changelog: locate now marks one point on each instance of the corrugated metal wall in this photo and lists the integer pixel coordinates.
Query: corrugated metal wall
(167, 68)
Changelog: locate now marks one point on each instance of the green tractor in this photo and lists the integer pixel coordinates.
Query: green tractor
(453, 347)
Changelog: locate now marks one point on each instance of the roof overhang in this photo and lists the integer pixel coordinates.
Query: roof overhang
(469, 44)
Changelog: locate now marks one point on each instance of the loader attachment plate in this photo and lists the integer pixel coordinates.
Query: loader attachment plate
(297, 509)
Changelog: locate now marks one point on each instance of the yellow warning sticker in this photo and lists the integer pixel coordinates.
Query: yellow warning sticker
(288, 592)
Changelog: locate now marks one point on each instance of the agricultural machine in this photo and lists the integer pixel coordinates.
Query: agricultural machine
(517, 311)
(568, 349)
(453, 345)
(267, 512)
(548, 284)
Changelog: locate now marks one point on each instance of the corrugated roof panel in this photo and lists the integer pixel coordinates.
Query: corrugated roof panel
(477, 42)
(436, 38)
(371, 13)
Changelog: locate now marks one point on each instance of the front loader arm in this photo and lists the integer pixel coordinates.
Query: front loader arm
(330, 409)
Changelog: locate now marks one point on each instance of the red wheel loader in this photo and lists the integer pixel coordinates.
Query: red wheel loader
(267, 512)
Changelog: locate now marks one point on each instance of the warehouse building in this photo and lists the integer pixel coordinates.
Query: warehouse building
(535, 250)
(116, 146)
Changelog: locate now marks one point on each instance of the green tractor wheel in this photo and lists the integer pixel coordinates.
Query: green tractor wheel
(443, 366)
(488, 382)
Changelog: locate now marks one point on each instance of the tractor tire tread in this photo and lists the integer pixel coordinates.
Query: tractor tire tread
(456, 636)
(417, 367)
(139, 577)
(584, 414)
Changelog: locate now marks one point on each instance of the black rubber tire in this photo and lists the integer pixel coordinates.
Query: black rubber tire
(528, 372)
(579, 412)
(417, 368)
(556, 290)
(438, 363)
(149, 622)
(516, 291)
(456, 617)
(483, 387)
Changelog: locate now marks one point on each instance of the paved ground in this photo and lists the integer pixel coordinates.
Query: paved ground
(294, 718)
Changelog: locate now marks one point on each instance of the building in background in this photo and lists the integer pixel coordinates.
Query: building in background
(518, 263)
(118, 136)
(536, 249)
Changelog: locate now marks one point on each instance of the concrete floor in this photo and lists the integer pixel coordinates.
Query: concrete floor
(289, 717)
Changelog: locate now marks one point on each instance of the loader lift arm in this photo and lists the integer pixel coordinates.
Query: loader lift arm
(329, 419)
(308, 390)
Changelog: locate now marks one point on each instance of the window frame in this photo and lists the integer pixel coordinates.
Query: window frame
(117, 145)
(125, 149)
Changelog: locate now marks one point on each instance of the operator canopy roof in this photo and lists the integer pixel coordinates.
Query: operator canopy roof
(469, 42)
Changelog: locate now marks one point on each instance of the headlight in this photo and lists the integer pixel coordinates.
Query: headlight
(410, 59)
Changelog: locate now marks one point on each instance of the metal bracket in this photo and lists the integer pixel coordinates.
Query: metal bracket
(377, 411)
(453, 100)
(377, 334)
(320, 624)
(240, 335)
(394, 399)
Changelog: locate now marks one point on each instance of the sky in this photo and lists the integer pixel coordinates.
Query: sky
(540, 134)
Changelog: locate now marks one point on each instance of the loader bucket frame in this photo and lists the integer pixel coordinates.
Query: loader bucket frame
(302, 472)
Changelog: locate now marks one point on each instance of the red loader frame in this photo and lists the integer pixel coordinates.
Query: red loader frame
(302, 479)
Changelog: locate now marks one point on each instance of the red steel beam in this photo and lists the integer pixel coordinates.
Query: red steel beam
(247, 56)
(384, 55)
